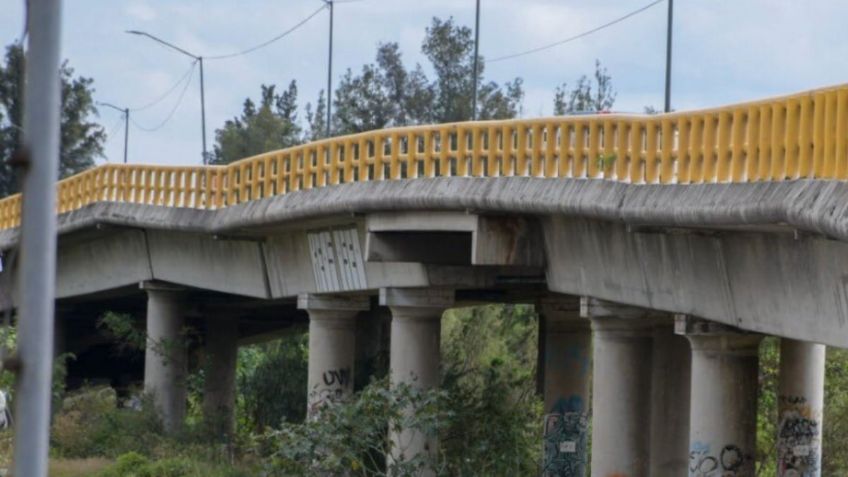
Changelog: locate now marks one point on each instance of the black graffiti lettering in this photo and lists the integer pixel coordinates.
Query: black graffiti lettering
(337, 377)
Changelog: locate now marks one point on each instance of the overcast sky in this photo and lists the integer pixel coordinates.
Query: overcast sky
(725, 51)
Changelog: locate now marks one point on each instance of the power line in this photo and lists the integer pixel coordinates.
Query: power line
(173, 110)
(272, 40)
(166, 93)
(578, 36)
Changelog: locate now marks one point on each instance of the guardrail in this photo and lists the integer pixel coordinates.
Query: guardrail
(799, 136)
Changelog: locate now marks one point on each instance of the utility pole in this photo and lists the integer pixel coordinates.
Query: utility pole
(668, 58)
(476, 50)
(199, 59)
(39, 160)
(126, 114)
(330, 71)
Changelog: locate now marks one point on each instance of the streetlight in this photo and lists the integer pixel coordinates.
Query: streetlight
(668, 57)
(329, 4)
(476, 46)
(202, 96)
(126, 113)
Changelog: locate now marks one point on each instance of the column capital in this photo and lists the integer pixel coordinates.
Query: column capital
(705, 335)
(155, 285)
(613, 317)
(417, 297)
(314, 302)
(561, 313)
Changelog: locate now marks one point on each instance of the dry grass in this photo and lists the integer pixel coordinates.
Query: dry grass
(77, 467)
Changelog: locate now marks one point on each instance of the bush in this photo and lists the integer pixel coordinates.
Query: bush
(136, 465)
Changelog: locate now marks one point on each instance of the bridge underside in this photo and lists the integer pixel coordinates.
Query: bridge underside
(747, 255)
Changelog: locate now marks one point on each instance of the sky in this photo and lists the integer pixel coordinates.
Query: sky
(725, 51)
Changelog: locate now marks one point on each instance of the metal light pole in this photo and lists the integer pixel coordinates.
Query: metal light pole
(202, 94)
(330, 70)
(668, 57)
(476, 49)
(126, 113)
(37, 269)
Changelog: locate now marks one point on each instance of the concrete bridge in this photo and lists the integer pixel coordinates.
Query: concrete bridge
(660, 249)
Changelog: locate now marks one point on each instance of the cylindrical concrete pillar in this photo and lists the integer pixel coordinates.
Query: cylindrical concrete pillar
(165, 356)
(723, 415)
(566, 363)
(219, 389)
(332, 346)
(332, 341)
(621, 394)
(414, 356)
(670, 398)
(800, 405)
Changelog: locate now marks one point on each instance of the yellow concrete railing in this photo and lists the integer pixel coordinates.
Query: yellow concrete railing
(799, 136)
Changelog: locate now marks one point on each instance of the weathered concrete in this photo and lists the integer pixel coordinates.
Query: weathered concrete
(332, 344)
(621, 394)
(165, 356)
(670, 398)
(219, 385)
(567, 360)
(201, 261)
(723, 416)
(754, 253)
(800, 403)
(416, 328)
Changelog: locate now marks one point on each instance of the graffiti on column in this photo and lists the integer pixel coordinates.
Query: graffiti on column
(798, 438)
(565, 443)
(730, 461)
(335, 384)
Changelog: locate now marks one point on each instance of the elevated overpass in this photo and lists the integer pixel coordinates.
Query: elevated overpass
(721, 226)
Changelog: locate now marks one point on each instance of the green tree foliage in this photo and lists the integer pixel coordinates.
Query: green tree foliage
(386, 93)
(587, 96)
(272, 383)
(270, 125)
(81, 138)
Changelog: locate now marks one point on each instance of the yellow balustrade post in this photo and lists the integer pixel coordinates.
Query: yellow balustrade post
(819, 134)
(841, 134)
(429, 163)
(566, 162)
(609, 149)
(461, 151)
(521, 151)
(507, 161)
(348, 161)
(722, 161)
(594, 148)
(494, 153)
(651, 169)
(579, 164)
(684, 154)
(550, 150)
(737, 160)
(636, 170)
(379, 159)
(477, 169)
(362, 163)
(805, 152)
(706, 172)
(622, 153)
(411, 155)
(830, 136)
(764, 150)
(778, 137)
(394, 163)
(791, 140)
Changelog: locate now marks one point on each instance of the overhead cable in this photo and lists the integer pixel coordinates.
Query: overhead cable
(578, 36)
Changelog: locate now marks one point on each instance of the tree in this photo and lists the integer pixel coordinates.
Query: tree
(582, 99)
(386, 93)
(81, 138)
(272, 125)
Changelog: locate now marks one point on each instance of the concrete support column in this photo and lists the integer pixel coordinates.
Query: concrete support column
(414, 354)
(219, 387)
(723, 416)
(566, 363)
(332, 345)
(621, 397)
(165, 355)
(670, 399)
(800, 405)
